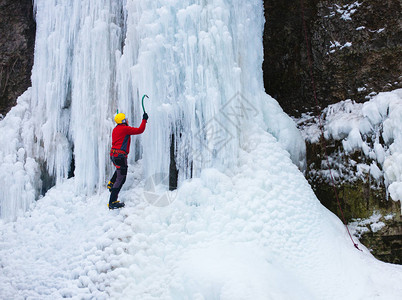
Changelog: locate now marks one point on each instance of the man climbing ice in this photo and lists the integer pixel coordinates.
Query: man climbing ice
(121, 138)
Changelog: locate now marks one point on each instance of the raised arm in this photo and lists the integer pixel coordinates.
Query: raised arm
(134, 130)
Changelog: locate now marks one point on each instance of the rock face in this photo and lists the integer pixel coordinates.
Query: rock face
(387, 242)
(355, 50)
(17, 39)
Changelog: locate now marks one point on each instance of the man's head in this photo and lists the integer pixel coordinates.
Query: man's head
(120, 118)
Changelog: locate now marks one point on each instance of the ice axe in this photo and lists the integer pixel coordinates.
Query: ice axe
(143, 102)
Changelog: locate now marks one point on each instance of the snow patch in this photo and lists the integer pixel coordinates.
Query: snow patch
(344, 11)
(373, 224)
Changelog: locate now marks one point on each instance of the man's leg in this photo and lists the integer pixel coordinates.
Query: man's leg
(121, 174)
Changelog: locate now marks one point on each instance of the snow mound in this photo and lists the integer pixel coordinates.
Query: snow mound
(255, 231)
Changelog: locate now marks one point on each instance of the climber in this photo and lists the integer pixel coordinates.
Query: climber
(121, 137)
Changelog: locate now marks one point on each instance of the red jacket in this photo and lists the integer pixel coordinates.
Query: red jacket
(121, 137)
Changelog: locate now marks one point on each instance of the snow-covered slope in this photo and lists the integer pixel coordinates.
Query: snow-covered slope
(254, 232)
(246, 226)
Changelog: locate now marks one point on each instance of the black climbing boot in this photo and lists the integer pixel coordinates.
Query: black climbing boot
(115, 205)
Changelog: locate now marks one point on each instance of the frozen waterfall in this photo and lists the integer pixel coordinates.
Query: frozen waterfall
(198, 61)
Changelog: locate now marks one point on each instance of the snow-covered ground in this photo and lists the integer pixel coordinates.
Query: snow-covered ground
(254, 232)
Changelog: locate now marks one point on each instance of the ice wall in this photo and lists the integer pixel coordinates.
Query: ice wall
(198, 61)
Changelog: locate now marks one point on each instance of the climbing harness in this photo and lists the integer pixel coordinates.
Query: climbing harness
(116, 152)
(323, 144)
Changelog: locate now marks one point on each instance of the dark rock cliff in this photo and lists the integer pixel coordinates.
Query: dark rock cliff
(17, 39)
(356, 50)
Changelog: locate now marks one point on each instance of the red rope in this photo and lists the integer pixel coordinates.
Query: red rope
(323, 143)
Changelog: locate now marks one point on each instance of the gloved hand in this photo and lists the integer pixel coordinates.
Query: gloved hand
(145, 116)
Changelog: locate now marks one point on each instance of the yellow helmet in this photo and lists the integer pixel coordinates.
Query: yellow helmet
(120, 118)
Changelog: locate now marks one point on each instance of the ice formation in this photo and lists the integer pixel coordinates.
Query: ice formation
(379, 118)
(198, 61)
(374, 128)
